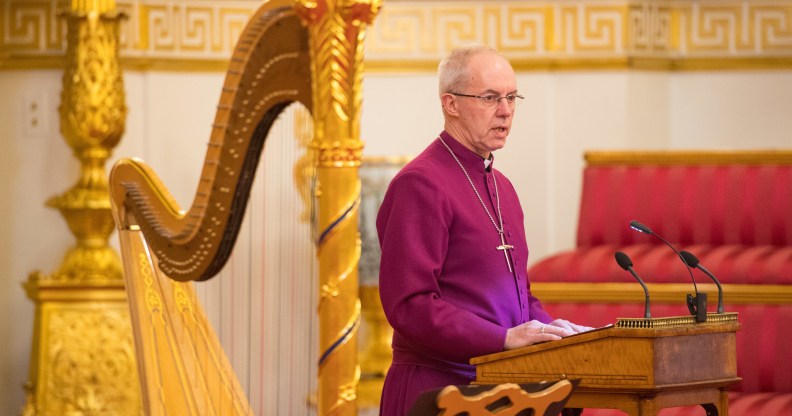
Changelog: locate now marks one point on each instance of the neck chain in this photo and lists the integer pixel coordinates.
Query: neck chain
(503, 247)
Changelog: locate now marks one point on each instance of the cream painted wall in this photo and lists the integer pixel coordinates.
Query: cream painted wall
(33, 168)
(739, 110)
(564, 114)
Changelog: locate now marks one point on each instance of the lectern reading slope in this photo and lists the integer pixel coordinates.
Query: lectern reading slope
(637, 365)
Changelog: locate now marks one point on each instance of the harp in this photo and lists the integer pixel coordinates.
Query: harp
(182, 366)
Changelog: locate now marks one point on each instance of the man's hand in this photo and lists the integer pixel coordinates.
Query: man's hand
(532, 332)
(575, 328)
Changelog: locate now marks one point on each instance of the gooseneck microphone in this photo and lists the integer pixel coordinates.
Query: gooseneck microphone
(693, 262)
(625, 263)
(697, 305)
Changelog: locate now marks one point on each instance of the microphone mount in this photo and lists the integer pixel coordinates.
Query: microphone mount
(625, 263)
(697, 305)
(693, 262)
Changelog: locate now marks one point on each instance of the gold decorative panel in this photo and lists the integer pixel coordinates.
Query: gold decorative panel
(77, 370)
(82, 359)
(414, 35)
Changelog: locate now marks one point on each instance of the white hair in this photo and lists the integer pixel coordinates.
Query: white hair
(453, 71)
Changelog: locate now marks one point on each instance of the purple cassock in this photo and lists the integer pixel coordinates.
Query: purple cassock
(445, 287)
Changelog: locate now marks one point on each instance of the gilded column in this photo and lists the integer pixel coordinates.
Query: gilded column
(336, 31)
(83, 358)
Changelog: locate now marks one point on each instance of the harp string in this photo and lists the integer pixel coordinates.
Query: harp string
(263, 301)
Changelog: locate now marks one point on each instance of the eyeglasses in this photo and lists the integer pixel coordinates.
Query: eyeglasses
(492, 100)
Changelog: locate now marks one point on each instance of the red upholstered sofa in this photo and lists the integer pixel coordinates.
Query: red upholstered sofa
(732, 210)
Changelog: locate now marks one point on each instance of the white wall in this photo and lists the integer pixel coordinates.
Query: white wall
(33, 161)
(740, 110)
(565, 113)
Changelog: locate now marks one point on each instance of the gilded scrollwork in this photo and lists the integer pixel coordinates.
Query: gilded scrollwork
(84, 379)
(93, 114)
(93, 109)
(337, 32)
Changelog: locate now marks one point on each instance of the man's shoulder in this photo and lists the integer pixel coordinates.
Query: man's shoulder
(427, 166)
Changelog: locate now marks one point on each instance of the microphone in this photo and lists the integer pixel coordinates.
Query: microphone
(693, 262)
(697, 305)
(626, 264)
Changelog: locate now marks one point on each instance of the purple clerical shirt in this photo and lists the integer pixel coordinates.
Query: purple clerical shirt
(445, 287)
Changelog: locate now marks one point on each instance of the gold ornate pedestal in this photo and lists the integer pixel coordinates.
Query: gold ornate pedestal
(83, 359)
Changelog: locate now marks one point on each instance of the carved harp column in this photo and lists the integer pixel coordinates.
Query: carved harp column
(336, 31)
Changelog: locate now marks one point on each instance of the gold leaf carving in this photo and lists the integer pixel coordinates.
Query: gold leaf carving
(92, 367)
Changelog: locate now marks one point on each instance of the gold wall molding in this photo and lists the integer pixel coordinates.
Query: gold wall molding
(414, 35)
(688, 157)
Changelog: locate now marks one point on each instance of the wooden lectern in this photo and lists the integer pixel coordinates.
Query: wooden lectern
(638, 366)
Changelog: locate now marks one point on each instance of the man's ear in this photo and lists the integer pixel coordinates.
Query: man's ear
(449, 104)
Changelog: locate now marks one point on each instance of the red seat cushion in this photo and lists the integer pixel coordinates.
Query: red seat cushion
(776, 404)
(734, 264)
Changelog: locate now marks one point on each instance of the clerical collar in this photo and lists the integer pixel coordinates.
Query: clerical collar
(472, 161)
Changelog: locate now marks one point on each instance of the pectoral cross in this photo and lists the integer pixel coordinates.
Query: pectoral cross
(503, 247)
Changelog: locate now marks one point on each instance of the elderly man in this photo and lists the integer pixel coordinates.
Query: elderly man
(453, 277)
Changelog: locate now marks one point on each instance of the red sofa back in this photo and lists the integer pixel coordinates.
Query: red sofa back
(714, 204)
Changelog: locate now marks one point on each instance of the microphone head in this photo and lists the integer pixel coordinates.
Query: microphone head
(623, 260)
(637, 226)
(689, 258)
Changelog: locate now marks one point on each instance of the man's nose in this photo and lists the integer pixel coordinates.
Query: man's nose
(504, 108)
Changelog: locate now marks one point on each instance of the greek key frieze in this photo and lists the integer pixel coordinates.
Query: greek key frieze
(411, 34)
